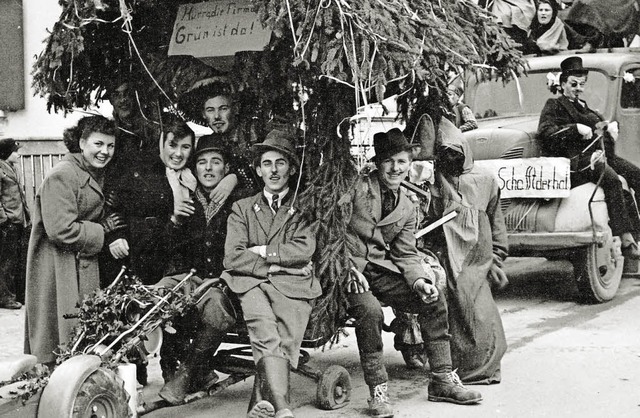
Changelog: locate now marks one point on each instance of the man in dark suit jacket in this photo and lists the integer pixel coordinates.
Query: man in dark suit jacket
(387, 268)
(268, 260)
(566, 129)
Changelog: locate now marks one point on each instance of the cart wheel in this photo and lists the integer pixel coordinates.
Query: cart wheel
(598, 271)
(334, 388)
(79, 388)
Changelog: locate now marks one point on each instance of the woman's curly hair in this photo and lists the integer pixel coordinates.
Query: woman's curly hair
(85, 127)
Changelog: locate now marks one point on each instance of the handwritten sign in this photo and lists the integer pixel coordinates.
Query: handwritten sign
(217, 29)
(544, 177)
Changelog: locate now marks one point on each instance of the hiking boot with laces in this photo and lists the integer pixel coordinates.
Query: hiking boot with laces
(379, 405)
(447, 387)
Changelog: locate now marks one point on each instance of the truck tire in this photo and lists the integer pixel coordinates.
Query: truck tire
(598, 271)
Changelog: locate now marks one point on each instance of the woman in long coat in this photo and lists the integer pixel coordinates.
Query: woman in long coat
(66, 237)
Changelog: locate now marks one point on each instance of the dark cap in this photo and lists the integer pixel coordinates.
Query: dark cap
(7, 147)
(279, 140)
(387, 144)
(212, 142)
(573, 66)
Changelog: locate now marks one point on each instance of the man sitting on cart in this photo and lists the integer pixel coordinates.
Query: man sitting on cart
(387, 268)
(268, 260)
(196, 239)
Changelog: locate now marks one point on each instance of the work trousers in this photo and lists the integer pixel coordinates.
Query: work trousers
(216, 313)
(276, 323)
(12, 280)
(392, 290)
(618, 208)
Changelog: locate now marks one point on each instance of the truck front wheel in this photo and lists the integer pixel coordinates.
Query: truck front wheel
(598, 271)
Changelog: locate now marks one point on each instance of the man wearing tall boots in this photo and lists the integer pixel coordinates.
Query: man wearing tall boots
(268, 260)
(196, 238)
(387, 269)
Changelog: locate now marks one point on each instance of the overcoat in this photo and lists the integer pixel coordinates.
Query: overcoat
(290, 242)
(62, 263)
(388, 242)
(13, 206)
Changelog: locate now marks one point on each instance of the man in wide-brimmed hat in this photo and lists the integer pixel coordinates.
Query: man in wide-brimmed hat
(268, 260)
(387, 268)
(211, 102)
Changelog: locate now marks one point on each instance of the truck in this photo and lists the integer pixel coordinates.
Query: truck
(574, 228)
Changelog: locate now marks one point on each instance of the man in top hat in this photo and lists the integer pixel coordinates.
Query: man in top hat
(196, 239)
(268, 260)
(14, 216)
(566, 129)
(387, 269)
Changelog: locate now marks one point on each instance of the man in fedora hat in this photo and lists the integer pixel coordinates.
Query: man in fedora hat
(387, 268)
(268, 260)
(196, 239)
(566, 129)
(14, 216)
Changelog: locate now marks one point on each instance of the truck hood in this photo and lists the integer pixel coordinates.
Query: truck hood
(524, 123)
(504, 137)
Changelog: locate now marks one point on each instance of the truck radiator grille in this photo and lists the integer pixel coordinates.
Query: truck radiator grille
(513, 153)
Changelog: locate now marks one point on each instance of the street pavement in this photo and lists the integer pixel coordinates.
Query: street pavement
(564, 359)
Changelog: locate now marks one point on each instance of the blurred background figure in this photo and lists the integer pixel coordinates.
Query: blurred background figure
(14, 217)
(461, 114)
(547, 33)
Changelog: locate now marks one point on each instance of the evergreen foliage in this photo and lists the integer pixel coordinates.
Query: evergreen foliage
(326, 58)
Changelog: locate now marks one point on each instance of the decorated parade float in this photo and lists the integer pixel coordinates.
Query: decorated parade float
(307, 65)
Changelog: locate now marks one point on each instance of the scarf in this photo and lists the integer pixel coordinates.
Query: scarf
(554, 38)
(211, 208)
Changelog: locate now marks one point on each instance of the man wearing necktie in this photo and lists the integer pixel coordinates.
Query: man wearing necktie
(268, 254)
(387, 268)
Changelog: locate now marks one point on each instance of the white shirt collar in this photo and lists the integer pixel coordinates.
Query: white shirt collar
(281, 196)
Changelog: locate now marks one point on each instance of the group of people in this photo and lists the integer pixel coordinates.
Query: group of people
(195, 205)
(226, 206)
(586, 25)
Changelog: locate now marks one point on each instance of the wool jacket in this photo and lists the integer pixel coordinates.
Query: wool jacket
(290, 243)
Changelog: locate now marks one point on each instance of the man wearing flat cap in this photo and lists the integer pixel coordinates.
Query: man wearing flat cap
(14, 216)
(268, 260)
(387, 268)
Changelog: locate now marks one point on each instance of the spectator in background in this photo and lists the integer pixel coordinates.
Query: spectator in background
(461, 114)
(547, 34)
(68, 233)
(514, 16)
(14, 216)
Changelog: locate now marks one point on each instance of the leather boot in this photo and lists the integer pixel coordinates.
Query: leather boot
(258, 407)
(447, 387)
(177, 389)
(274, 377)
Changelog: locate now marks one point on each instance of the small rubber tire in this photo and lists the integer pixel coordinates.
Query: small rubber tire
(598, 271)
(78, 377)
(102, 394)
(334, 388)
